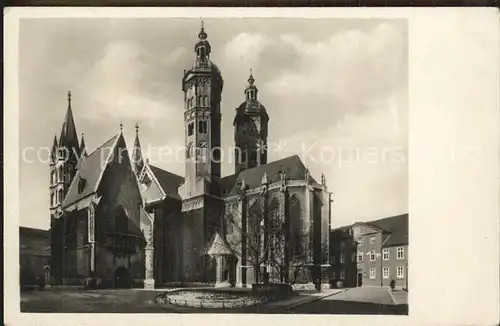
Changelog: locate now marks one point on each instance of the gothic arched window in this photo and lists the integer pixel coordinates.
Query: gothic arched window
(189, 150)
(254, 229)
(61, 173)
(205, 100)
(200, 100)
(60, 195)
(121, 220)
(295, 226)
(274, 213)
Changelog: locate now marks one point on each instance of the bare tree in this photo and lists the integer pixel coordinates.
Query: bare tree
(250, 241)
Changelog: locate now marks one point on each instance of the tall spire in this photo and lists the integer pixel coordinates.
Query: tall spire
(137, 159)
(69, 137)
(53, 152)
(83, 147)
(202, 35)
(251, 90)
(202, 47)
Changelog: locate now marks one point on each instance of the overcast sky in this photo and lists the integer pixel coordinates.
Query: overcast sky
(335, 90)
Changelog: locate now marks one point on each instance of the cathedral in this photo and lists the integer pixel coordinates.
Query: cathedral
(119, 221)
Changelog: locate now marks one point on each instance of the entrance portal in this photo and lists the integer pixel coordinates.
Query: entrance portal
(360, 277)
(123, 279)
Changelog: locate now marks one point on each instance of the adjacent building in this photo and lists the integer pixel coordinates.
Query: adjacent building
(34, 256)
(371, 253)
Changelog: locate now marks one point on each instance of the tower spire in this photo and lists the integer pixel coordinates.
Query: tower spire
(251, 90)
(137, 159)
(69, 137)
(83, 147)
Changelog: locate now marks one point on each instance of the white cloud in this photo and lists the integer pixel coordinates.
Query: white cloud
(246, 48)
(174, 56)
(114, 85)
(346, 65)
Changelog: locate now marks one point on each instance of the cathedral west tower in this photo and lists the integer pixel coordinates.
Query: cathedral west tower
(202, 206)
(202, 87)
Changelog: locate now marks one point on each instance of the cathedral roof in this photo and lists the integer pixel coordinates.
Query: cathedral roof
(226, 183)
(90, 169)
(292, 166)
(169, 182)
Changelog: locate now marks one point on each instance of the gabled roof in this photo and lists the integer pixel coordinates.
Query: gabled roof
(30, 233)
(34, 242)
(292, 166)
(169, 182)
(219, 246)
(391, 224)
(398, 228)
(227, 183)
(91, 169)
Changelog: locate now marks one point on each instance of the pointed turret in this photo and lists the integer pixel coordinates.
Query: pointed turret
(69, 137)
(83, 147)
(137, 159)
(53, 151)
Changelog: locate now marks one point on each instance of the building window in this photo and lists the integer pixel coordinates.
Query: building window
(353, 257)
(200, 100)
(342, 274)
(52, 199)
(60, 195)
(81, 185)
(342, 245)
(372, 239)
(202, 127)
(205, 100)
(189, 150)
(341, 259)
(243, 157)
(360, 256)
(401, 253)
(385, 272)
(400, 272)
(333, 275)
(360, 241)
(372, 255)
(190, 129)
(385, 254)
(372, 273)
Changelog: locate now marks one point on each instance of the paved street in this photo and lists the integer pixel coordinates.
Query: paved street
(351, 301)
(369, 300)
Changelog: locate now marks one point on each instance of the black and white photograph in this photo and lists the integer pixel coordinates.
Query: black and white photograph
(233, 165)
(217, 165)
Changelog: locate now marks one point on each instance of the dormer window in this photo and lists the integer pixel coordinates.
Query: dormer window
(146, 180)
(81, 184)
